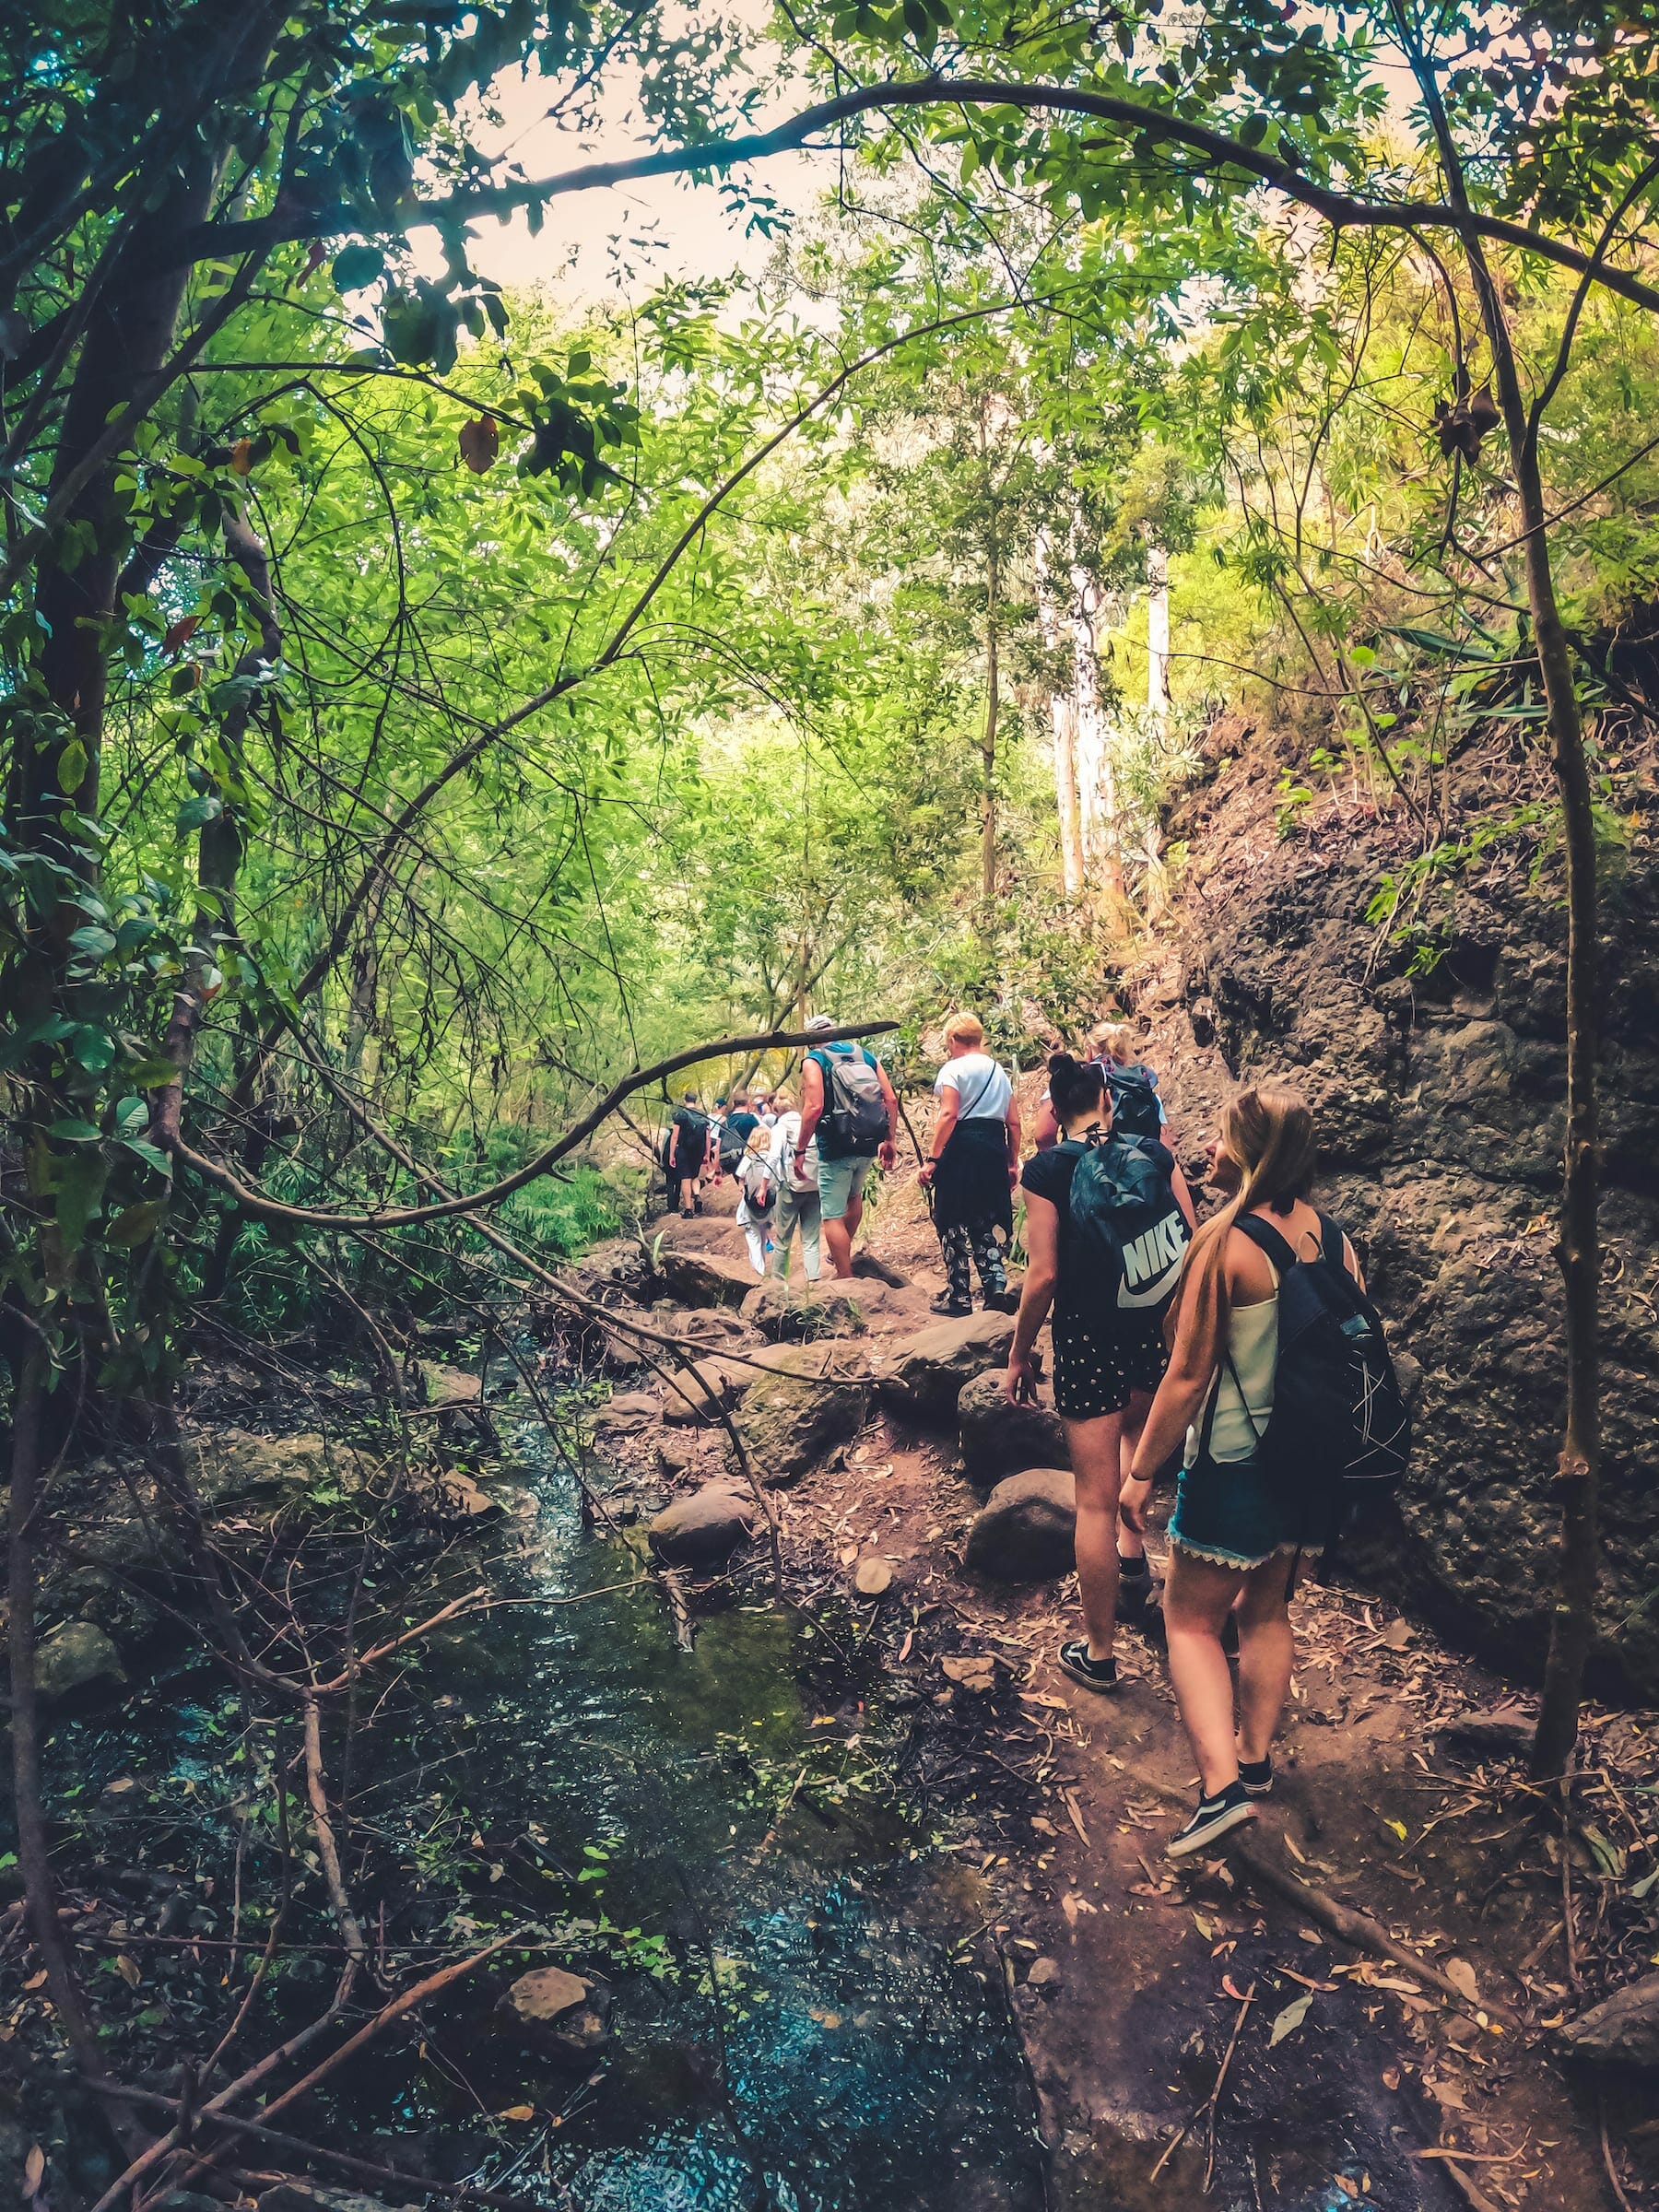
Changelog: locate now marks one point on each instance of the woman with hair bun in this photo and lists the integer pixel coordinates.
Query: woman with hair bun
(1107, 1363)
(1236, 1536)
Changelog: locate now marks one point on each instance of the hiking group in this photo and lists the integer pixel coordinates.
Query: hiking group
(1243, 1353)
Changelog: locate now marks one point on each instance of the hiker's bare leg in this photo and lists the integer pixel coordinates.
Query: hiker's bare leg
(838, 1236)
(1266, 1653)
(1197, 1599)
(1129, 1543)
(1097, 1466)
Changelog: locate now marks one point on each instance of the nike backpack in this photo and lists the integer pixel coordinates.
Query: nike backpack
(1130, 1234)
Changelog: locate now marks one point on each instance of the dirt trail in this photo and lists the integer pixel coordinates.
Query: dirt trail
(1342, 2078)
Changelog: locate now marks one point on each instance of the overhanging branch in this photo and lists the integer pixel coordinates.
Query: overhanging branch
(1341, 209)
(273, 1209)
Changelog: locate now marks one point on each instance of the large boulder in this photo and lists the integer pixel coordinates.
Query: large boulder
(705, 1279)
(925, 1374)
(1000, 1438)
(694, 1398)
(1623, 2031)
(561, 2013)
(705, 1527)
(1027, 1529)
(75, 1657)
(792, 1417)
(801, 1314)
(235, 1469)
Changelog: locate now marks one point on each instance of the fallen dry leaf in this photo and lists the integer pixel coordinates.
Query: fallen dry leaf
(873, 1577)
(34, 2171)
(517, 2112)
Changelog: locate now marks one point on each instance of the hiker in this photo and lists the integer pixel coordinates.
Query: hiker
(756, 1195)
(798, 1204)
(1238, 1536)
(1108, 1351)
(687, 1156)
(732, 1133)
(972, 1168)
(765, 1105)
(1138, 1107)
(847, 1103)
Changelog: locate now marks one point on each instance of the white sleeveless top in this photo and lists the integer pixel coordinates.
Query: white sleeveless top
(1253, 1340)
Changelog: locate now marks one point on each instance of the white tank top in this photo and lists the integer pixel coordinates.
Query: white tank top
(1253, 1340)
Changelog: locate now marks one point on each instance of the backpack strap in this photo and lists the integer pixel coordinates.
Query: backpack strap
(1267, 1239)
(1334, 1241)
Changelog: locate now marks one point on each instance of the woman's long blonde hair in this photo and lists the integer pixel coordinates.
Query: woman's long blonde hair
(1268, 1131)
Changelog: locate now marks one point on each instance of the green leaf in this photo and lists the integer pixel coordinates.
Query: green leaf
(72, 767)
(73, 1131)
(1290, 2019)
(91, 940)
(354, 267)
(150, 1074)
(92, 1047)
(198, 811)
(152, 1155)
(80, 1187)
(136, 1224)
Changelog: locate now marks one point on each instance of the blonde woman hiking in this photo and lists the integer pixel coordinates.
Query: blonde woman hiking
(1240, 1530)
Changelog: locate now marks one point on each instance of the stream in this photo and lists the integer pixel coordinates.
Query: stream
(807, 2011)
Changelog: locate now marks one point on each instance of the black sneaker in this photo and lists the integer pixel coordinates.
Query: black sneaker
(1212, 1819)
(1256, 1775)
(1005, 1300)
(949, 1306)
(1094, 1674)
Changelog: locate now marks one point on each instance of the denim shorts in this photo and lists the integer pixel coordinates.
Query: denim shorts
(1230, 1512)
(841, 1180)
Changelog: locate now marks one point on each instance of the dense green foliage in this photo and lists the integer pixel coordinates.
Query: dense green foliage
(422, 706)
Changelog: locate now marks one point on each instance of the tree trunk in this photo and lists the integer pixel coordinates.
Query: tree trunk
(1062, 717)
(1097, 781)
(992, 708)
(1158, 641)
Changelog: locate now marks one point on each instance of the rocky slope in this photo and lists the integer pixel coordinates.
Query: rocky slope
(1440, 1097)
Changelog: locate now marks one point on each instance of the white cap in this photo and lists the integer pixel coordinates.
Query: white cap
(821, 1021)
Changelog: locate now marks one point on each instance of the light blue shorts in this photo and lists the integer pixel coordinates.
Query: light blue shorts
(839, 1181)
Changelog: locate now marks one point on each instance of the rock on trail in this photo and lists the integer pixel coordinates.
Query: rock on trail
(1000, 1438)
(705, 1527)
(1027, 1529)
(923, 1376)
(793, 1417)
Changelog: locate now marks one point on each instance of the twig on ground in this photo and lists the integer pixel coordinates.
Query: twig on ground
(1215, 2097)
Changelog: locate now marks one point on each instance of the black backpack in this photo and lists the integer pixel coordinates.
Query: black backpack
(1129, 1235)
(1339, 1429)
(1134, 1100)
(693, 1143)
(732, 1145)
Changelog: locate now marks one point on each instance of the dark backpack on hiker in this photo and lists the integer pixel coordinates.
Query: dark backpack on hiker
(1134, 1100)
(1339, 1431)
(693, 1144)
(854, 1121)
(1128, 1233)
(732, 1145)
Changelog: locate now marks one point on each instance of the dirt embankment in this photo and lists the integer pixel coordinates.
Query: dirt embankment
(1441, 1101)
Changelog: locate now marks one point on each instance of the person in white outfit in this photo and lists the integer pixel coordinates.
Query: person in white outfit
(758, 1193)
(797, 1192)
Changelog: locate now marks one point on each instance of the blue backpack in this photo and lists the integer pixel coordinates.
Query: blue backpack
(1129, 1235)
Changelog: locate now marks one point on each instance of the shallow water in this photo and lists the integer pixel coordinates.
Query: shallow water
(561, 1760)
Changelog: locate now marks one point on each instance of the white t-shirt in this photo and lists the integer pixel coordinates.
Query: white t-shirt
(982, 1087)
